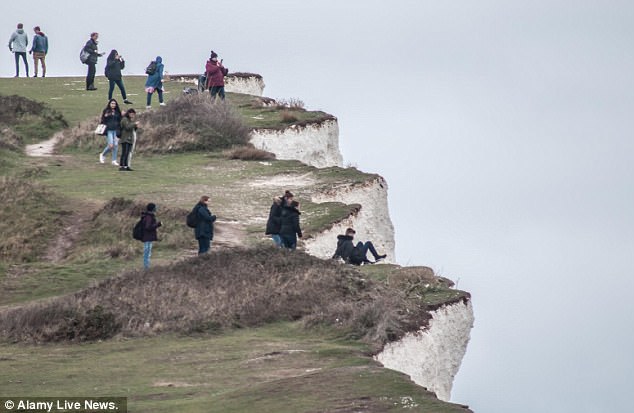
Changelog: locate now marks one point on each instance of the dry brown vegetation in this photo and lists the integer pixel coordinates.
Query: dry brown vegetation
(226, 289)
(250, 153)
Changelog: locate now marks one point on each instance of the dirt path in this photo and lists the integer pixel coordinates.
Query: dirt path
(44, 148)
(71, 228)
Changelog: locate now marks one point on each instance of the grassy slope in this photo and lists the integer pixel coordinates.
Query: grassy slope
(205, 371)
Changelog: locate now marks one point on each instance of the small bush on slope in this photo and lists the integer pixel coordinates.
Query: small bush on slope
(29, 120)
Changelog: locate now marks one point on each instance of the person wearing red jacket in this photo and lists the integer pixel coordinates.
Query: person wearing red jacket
(216, 73)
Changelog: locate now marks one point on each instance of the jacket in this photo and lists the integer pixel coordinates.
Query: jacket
(113, 69)
(155, 80)
(205, 222)
(215, 73)
(91, 47)
(150, 224)
(40, 43)
(290, 222)
(274, 223)
(128, 127)
(19, 41)
(344, 247)
(112, 120)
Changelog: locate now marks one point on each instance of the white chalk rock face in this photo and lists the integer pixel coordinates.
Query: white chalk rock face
(372, 222)
(432, 356)
(313, 144)
(249, 85)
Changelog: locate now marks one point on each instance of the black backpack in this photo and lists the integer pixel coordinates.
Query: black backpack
(137, 231)
(357, 256)
(151, 69)
(192, 217)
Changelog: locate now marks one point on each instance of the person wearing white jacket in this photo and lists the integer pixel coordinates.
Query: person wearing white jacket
(17, 44)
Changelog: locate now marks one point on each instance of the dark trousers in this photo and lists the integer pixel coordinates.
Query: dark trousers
(289, 241)
(368, 246)
(118, 82)
(160, 95)
(126, 148)
(217, 90)
(204, 244)
(17, 63)
(90, 77)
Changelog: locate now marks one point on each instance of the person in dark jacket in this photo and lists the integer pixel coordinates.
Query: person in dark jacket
(289, 228)
(355, 254)
(111, 117)
(274, 223)
(114, 65)
(150, 224)
(91, 48)
(154, 83)
(204, 230)
(39, 50)
(215, 73)
(128, 130)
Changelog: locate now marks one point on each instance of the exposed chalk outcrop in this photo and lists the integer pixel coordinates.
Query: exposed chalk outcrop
(432, 356)
(372, 222)
(315, 144)
(246, 83)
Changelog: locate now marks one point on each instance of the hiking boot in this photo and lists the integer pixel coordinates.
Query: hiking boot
(91, 87)
(115, 163)
(101, 158)
(127, 102)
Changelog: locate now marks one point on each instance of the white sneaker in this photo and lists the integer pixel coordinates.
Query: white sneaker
(148, 107)
(101, 158)
(115, 163)
(162, 104)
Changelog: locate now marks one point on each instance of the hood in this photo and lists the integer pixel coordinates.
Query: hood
(20, 31)
(159, 60)
(290, 208)
(41, 34)
(344, 238)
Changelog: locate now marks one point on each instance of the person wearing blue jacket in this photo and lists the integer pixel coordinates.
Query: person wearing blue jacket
(204, 230)
(39, 49)
(154, 83)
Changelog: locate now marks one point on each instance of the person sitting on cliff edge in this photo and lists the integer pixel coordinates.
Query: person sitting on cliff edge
(355, 254)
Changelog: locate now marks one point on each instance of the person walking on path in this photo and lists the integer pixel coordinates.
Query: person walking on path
(274, 223)
(204, 230)
(111, 117)
(355, 254)
(215, 73)
(154, 83)
(92, 50)
(114, 65)
(39, 49)
(150, 225)
(17, 44)
(289, 228)
(128, 128)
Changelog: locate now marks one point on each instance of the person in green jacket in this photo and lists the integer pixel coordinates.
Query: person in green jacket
(128, 136)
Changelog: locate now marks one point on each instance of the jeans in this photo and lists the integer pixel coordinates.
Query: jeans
(368, 246)
(90, 77)
(41, 57)
(147, 253)
(126, 148)
(159, 91)
(204, 244)
(119, 83)
(17, 63)
(289, 241)
(217, 90)
(277, 239)
(112, 145)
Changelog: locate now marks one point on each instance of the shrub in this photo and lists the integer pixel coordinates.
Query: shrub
(29, 119)
(250, 153)
(288, 117)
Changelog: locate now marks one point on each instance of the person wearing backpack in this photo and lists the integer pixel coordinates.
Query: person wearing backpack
(289, 228)
(17, 44)
(215, 73)
(355, 254)
(91, 60)
(111, 117)
(150, 225)
(154, 82)
(39, 50)
(204, 231)
(114, 65)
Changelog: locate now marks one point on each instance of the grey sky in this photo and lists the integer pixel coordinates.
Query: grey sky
(504, 130)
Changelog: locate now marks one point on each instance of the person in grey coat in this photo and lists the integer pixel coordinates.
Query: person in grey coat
(17, 44)
(204, 230)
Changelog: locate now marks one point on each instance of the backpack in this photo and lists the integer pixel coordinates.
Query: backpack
(357, 256)
(137, 231)
(192, 218)
(84, 55)
(151, 69)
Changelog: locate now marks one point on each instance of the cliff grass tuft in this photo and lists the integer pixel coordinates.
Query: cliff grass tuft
(250, 153)
(23, 120)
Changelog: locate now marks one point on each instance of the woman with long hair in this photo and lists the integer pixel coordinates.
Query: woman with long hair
(128, 130)
(114, 65)
(111, 117)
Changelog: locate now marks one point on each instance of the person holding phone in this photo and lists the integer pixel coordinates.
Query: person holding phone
(114, 65)
(215, 73)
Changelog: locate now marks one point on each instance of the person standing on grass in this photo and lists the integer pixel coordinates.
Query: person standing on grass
(355, 254)
(150, 225)
(274, 223)
(39, 49)
(215, 73)
(114, 65)
(204, 230)
(17, 44)
(91, 48)
(154, 83)
(289, 228)
(111, 117)
(128, 128)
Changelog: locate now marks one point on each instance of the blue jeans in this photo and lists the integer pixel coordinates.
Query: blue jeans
(289, 242)
(204, 244)
(217, 90)
(113, 141)
(17, 63)
(159, 91)
(121, 88)
(147, 253)
(277, 239)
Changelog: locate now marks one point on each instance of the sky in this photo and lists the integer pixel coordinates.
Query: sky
(504, 130)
